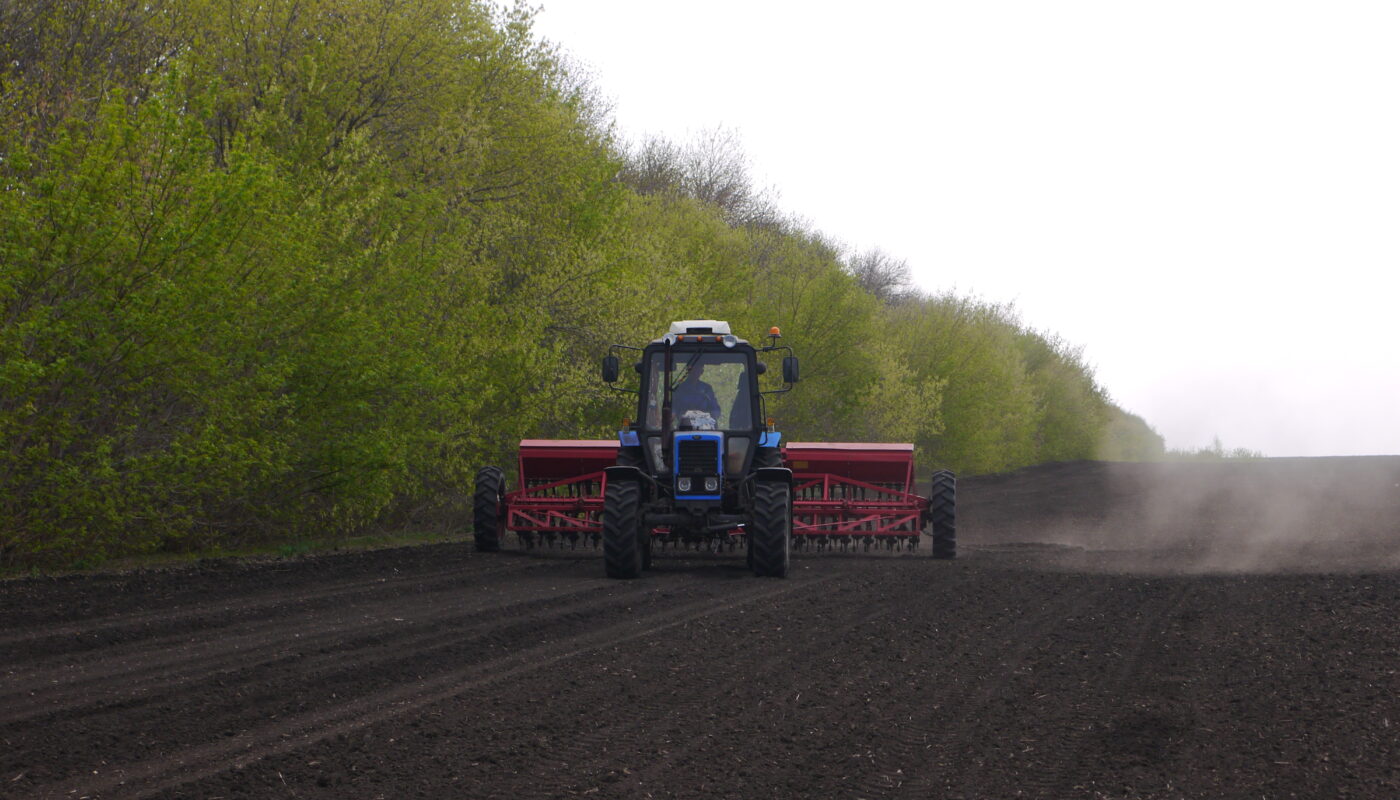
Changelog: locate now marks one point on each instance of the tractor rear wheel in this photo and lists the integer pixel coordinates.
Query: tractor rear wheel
(623, 548)
(942, 515)
(488, 509)
(630, 457)
(770, 535)
(767, 457)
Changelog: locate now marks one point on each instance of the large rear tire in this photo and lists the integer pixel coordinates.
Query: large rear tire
(767, 457)
(623, 549)
(942, 512)
(488, 509)
(770, 535)
(630, 457)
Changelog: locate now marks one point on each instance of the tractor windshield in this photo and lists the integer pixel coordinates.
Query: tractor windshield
(709, 391)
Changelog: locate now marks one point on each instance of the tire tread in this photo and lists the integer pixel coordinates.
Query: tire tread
(487, 506)
(622, 545)
(771, 532)
(943, 535)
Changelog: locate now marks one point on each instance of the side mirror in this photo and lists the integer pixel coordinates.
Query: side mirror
(762, 367)
(610, 367)
(790, 369)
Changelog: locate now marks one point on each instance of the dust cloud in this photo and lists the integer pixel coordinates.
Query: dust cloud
(1259, 516)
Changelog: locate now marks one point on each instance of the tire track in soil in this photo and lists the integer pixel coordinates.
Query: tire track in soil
(911, 741)
(786, 707)
(774, 689)
(1060, 759)
(178, 661)
(770, 708)
(97, 631)
(419, 603)
(200, 761)
(1071, 753)
(290, 676)
(569, 768)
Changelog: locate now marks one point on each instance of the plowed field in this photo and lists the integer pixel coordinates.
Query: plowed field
(1109, 631)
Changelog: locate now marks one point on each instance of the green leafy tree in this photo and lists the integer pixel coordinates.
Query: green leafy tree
(293, 265)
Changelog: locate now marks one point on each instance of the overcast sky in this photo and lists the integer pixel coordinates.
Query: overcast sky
(1204, 195)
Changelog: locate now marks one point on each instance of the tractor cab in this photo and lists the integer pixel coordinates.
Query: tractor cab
(699, 392)
(698, 464)
(699, 407)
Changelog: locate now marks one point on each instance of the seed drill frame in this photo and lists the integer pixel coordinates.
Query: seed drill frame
(843, 496)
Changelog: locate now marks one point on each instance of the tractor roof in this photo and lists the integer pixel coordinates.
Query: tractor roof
(700, 326)
(700, 331)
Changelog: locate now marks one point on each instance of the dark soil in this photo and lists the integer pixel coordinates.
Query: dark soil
(1109, 631)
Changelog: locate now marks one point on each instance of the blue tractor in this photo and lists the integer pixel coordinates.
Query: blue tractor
(701, 463)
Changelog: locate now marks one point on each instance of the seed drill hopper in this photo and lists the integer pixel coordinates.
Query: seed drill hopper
(703, 467)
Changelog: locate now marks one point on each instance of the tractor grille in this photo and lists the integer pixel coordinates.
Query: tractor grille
(698, 457)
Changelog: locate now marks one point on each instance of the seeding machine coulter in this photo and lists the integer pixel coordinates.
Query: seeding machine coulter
(701, 468)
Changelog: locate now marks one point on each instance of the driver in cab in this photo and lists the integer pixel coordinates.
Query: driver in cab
(693, 397)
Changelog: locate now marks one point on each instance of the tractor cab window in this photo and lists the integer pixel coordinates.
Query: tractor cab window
(709, 391)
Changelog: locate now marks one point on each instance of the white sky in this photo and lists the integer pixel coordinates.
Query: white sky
(1205, 195)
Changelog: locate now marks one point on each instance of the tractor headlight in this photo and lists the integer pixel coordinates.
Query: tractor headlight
(683, 484)
(712, 484)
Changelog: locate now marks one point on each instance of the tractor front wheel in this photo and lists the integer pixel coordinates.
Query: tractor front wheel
(770, 535)
(942, 515)
(488, 509)
(623, 549)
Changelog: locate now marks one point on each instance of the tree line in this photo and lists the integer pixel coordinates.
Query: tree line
(274, 266)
